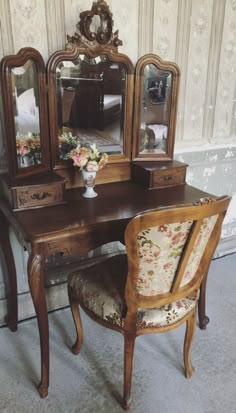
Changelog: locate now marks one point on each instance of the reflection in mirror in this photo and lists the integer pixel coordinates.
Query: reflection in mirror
(155, 110)
(91, 99)
(95, 24)
(26, 114)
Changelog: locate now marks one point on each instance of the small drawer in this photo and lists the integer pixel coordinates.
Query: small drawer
(158, 174)
(168, 178)
(34, 192)
(31, 197)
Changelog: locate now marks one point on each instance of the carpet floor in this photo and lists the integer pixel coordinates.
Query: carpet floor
(92, 382)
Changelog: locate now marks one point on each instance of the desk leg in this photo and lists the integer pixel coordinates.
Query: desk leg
(203, 319)
(11, 282)
(36, 283)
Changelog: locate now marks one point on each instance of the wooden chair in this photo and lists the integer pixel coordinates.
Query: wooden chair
(155, 286)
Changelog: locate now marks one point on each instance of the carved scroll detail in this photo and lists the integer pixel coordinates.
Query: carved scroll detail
(103, 34)
(203, 201)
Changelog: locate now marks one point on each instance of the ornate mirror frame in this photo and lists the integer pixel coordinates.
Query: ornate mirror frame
(152, 59)
(93, 44)
(9, 63)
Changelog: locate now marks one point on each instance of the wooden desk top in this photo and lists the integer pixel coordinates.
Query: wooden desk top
(116, 202)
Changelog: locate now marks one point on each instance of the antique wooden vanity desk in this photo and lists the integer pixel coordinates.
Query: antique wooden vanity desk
(92, 91)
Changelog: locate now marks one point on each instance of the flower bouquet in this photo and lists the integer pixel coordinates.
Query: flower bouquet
(89, 160)
(67, 142)
(28, 149)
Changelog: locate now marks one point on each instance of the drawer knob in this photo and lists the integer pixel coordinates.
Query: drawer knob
(168, 177)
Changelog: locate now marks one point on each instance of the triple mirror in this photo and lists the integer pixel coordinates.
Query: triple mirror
(89, 97)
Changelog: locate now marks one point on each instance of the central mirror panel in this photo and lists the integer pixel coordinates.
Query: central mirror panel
(91, 101)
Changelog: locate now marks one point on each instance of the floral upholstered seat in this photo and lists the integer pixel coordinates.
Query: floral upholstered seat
(101, 289)
(154, 287)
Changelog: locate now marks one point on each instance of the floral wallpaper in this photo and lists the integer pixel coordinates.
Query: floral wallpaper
(28, 17)
(165, 22)
(225, 114)
(196, 86)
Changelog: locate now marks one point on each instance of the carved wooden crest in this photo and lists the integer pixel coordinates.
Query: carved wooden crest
(95, 29)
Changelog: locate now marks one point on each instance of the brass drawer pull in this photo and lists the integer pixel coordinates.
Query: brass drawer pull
(168, 177)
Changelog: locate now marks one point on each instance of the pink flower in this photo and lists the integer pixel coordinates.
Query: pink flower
(167, 265)
(177, 238)
(79, 160)
(169, 234)
(156, 253)
(162, 228)
(88, 157)
(23, 149)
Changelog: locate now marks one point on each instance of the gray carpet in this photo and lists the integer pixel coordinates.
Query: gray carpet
(92, 381)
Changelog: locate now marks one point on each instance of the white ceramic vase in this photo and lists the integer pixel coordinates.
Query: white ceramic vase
(24, 161)
(89, 183)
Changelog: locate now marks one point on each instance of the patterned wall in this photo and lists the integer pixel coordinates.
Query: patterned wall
(199, 35)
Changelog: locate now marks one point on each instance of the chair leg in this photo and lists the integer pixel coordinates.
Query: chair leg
(129, 340)
(78, 325)
(190, 328)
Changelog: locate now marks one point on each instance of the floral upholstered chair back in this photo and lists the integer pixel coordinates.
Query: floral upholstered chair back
(160, 249)
(172, 248)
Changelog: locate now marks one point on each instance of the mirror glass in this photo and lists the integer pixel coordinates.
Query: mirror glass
(26, 114)
(90, 103)
(155, 110)
(95, 24)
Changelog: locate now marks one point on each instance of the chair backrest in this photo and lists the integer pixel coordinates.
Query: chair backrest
(169, 251)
